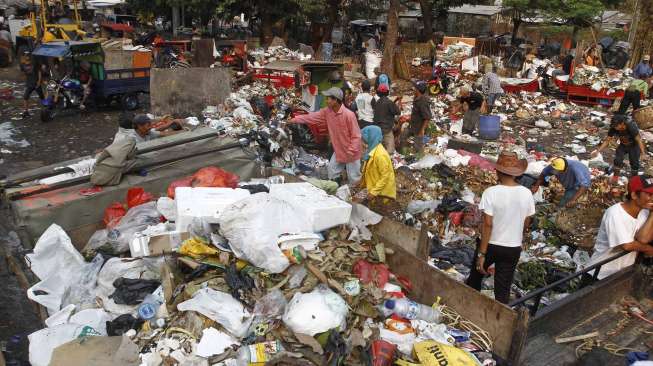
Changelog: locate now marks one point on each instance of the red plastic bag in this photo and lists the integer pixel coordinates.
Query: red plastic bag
(367, 272)
(113, 214)
(383, 353)
(214, 177)
(183, 182)
(137, 196)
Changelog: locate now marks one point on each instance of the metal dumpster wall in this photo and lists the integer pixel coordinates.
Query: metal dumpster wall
(507, 327)
(81, 215)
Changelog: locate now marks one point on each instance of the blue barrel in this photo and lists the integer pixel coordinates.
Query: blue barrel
(489, 127)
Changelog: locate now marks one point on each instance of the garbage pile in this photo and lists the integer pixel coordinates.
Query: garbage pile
(610, 79)
(263, 56)
(236, 273)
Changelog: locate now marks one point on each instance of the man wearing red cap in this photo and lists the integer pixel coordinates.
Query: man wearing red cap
(385, 116)
(344, 133)
(626, 226)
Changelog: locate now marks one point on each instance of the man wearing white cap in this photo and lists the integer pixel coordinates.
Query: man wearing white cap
(344, 133)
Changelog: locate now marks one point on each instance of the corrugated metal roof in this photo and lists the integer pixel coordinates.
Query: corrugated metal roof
(476, 9)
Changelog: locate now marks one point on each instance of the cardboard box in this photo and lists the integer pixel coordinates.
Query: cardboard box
(157, 244)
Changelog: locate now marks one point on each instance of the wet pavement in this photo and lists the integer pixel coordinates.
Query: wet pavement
(27, 143)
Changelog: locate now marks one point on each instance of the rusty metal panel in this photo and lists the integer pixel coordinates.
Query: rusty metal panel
(186, 92)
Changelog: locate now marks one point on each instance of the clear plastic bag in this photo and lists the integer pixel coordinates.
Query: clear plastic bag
(82, 294)
(116, 241)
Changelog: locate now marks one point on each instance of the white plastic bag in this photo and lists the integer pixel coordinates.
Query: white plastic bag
(253, 226)
(315, 312)
(360, 218)
(372, 61)
(222, 308)
(44, 341)
(53, 252)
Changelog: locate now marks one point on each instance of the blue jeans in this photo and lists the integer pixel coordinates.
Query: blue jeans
(569, 194)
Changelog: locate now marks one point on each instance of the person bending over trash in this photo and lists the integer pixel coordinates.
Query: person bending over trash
(572, 174)
(507, 209)
(633, 95)
(630, 143)
(472, 103)
(344, 133)
(378, 171)
(626, 226)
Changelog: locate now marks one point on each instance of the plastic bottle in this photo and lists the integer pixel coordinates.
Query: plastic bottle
(411, 310)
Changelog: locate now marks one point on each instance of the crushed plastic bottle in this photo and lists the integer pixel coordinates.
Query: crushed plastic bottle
(150, 306)
(411, 310)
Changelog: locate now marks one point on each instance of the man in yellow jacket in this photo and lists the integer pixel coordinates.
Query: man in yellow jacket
(378, 172)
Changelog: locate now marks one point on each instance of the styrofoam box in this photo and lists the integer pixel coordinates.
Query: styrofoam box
(203, 202)
(324, 211)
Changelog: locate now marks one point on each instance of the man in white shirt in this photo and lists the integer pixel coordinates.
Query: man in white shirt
(364, 105)
(507, 209)
(626, 226)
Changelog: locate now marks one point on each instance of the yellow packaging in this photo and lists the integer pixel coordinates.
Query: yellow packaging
(197, 248)
(431, 353)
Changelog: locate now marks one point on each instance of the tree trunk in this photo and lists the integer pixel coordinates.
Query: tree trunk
(266, 28)
(516, 22)
(333, 7)
(642, 41)
(427, 19)
(387, 65)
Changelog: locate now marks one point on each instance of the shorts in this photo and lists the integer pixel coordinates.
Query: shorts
(30, 88)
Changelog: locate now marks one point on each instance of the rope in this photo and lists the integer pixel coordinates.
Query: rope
(614, 349)
(479, 337)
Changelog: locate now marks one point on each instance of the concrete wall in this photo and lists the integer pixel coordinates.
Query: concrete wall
(186, 92)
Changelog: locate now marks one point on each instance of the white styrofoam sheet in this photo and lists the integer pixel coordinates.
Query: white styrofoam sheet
(322, 210)
(204, 202)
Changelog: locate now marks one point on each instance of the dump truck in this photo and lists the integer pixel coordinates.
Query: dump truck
(614, 310)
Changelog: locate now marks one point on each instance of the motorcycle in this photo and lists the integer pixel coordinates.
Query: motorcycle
(439, 82)
(67, 93)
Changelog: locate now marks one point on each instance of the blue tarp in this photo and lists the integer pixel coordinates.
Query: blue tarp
(47, 50)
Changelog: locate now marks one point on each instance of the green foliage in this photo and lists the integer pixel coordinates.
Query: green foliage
(580, 13)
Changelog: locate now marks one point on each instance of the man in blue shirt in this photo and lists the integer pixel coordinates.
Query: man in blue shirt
(572, 174)
(643, 69)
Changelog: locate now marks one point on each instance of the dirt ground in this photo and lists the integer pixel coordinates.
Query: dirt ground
(27, 143)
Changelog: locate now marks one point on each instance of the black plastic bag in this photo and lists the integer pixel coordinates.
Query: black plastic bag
(132, 291)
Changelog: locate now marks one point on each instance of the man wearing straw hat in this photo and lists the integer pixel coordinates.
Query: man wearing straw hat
(507, 209)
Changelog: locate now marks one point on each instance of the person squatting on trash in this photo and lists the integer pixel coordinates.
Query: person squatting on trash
(344, 133)
(572, 174)
(507, 209)
(385, 116)
(630, 142)
(626, 226)
(378, 171)
(420, 117)
(472, 103)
